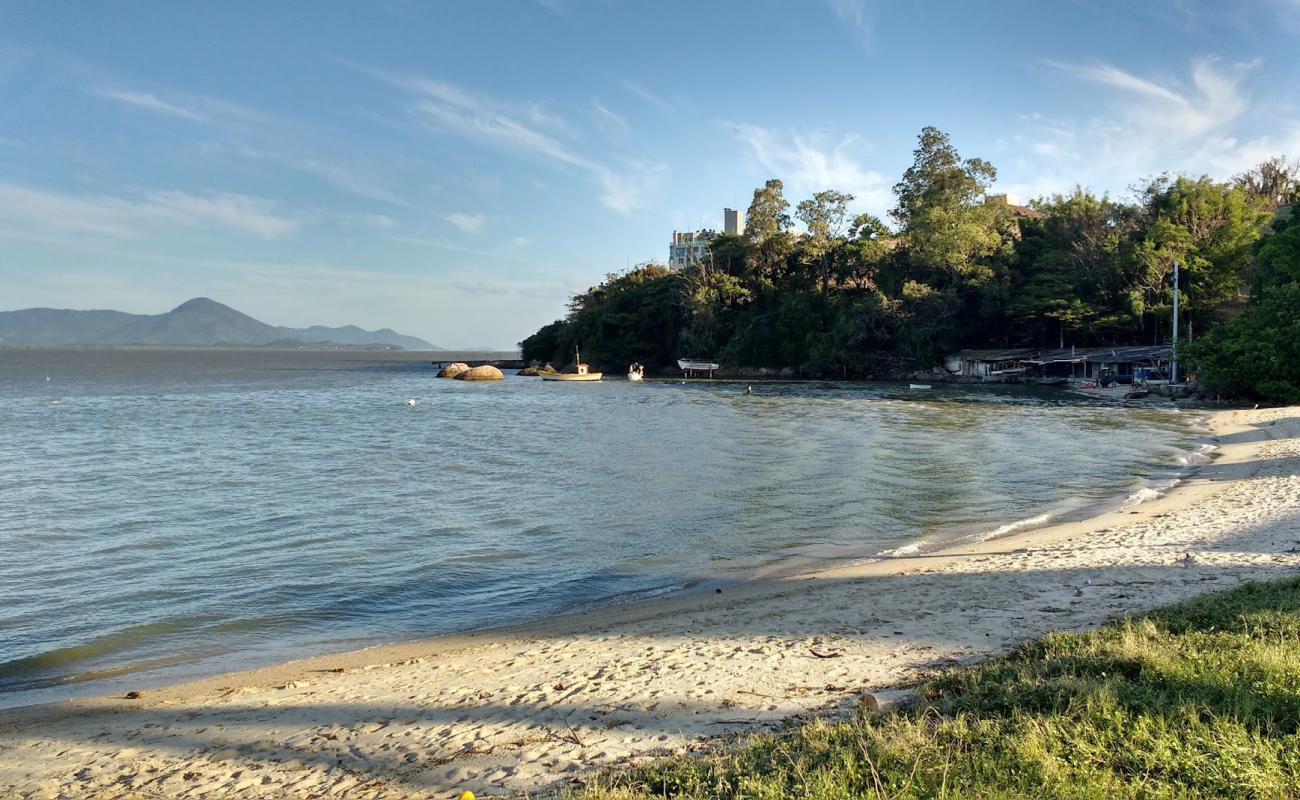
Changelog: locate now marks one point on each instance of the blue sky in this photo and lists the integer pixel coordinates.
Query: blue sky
(456, 170)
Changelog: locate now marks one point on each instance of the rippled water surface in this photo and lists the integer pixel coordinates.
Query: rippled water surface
(190, 512)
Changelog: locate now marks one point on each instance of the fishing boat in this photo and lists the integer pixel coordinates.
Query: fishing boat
(583, 375)
(636, 372)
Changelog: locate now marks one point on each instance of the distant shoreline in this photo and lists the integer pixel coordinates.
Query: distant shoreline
(259, 348)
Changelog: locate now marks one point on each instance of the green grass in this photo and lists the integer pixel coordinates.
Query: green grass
(1196, 700)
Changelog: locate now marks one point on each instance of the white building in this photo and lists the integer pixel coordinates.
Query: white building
(692, 247)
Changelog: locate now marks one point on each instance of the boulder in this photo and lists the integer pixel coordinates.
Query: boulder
(487, 372)
(453, 370)
(534, 371)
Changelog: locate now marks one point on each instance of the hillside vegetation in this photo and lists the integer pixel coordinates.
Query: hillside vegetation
(846, 295)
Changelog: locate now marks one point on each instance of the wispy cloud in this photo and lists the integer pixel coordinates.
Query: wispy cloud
(807, 164)
(509, 253)
(525, 129)
(554, 6)
(853, 15)
(648, 96)
(1203, 123)
(149, 102)
(468, 223)
(611, 124)
(122, 218)
(332, 172)
(1213, 99)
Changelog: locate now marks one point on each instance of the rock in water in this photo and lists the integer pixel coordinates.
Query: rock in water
(487, 372)
(452, 370)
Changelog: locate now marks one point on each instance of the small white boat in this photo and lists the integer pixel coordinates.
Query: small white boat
(636, 372)
(583, 375)
(919, 386)
(690, 366)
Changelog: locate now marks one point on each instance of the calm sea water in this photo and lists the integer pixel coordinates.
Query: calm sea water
(186, 512)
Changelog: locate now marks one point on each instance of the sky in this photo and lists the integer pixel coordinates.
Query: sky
(457, 170)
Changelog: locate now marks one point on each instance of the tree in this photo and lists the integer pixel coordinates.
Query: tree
(1275, 181)
(853, 297)
(767, 226)
(824, 216)
(1278, 258)
(870, 241)
(1258, 353)
(946, 224)
(769, 213)
(1210, 228)
(633, 316)
(1070, 275)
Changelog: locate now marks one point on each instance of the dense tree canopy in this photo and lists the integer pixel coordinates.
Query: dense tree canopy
(848, 295)
(1257, 354)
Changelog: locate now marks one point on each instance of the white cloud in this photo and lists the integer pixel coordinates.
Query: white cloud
(1206, 124)
(468, 223)
(524, 129)
(611, 124)
(36, 210)
(853, 15)
(254, 216)
(806, 165)
(554, 6)
(624, 191)
(1213, 100)
(343, 178)
(149, 102)
(1224, 156)
(379, 221)
(648, 96)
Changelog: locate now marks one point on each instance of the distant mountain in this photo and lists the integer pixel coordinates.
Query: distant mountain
(195, 322)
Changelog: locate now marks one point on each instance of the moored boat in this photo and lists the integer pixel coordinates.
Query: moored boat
(690, 366)
(583, 375)
(636, 372)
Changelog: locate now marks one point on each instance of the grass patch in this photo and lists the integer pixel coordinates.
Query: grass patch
(1198, 700)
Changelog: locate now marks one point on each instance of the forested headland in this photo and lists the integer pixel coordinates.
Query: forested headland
(852, 296)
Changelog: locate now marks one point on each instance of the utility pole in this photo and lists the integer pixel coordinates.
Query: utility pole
(1173, 359)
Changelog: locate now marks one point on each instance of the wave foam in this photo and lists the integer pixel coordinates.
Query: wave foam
(1012, 527)
(1148, 493)
(904, 550)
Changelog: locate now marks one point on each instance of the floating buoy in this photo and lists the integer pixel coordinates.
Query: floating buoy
(466, 795)
(411, 402)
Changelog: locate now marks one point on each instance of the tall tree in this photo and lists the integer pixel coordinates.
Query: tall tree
(767, 229)
(769, 213)
(945, 222)
(824, 215)
(1276, 181)
(1210, 229)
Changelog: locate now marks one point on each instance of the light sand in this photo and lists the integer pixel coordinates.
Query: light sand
(528, 707)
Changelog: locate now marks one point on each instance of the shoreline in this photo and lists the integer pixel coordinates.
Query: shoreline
(801, 564)
(524, 706)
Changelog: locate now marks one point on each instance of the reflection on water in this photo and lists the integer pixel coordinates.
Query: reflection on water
(188, 512)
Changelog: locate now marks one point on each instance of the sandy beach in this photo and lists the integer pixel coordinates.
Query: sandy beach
(532, 707)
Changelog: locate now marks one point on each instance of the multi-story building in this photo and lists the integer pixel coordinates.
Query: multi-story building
(689, 247)
(692, 247)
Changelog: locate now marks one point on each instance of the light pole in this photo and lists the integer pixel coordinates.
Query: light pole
(1173, 359)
